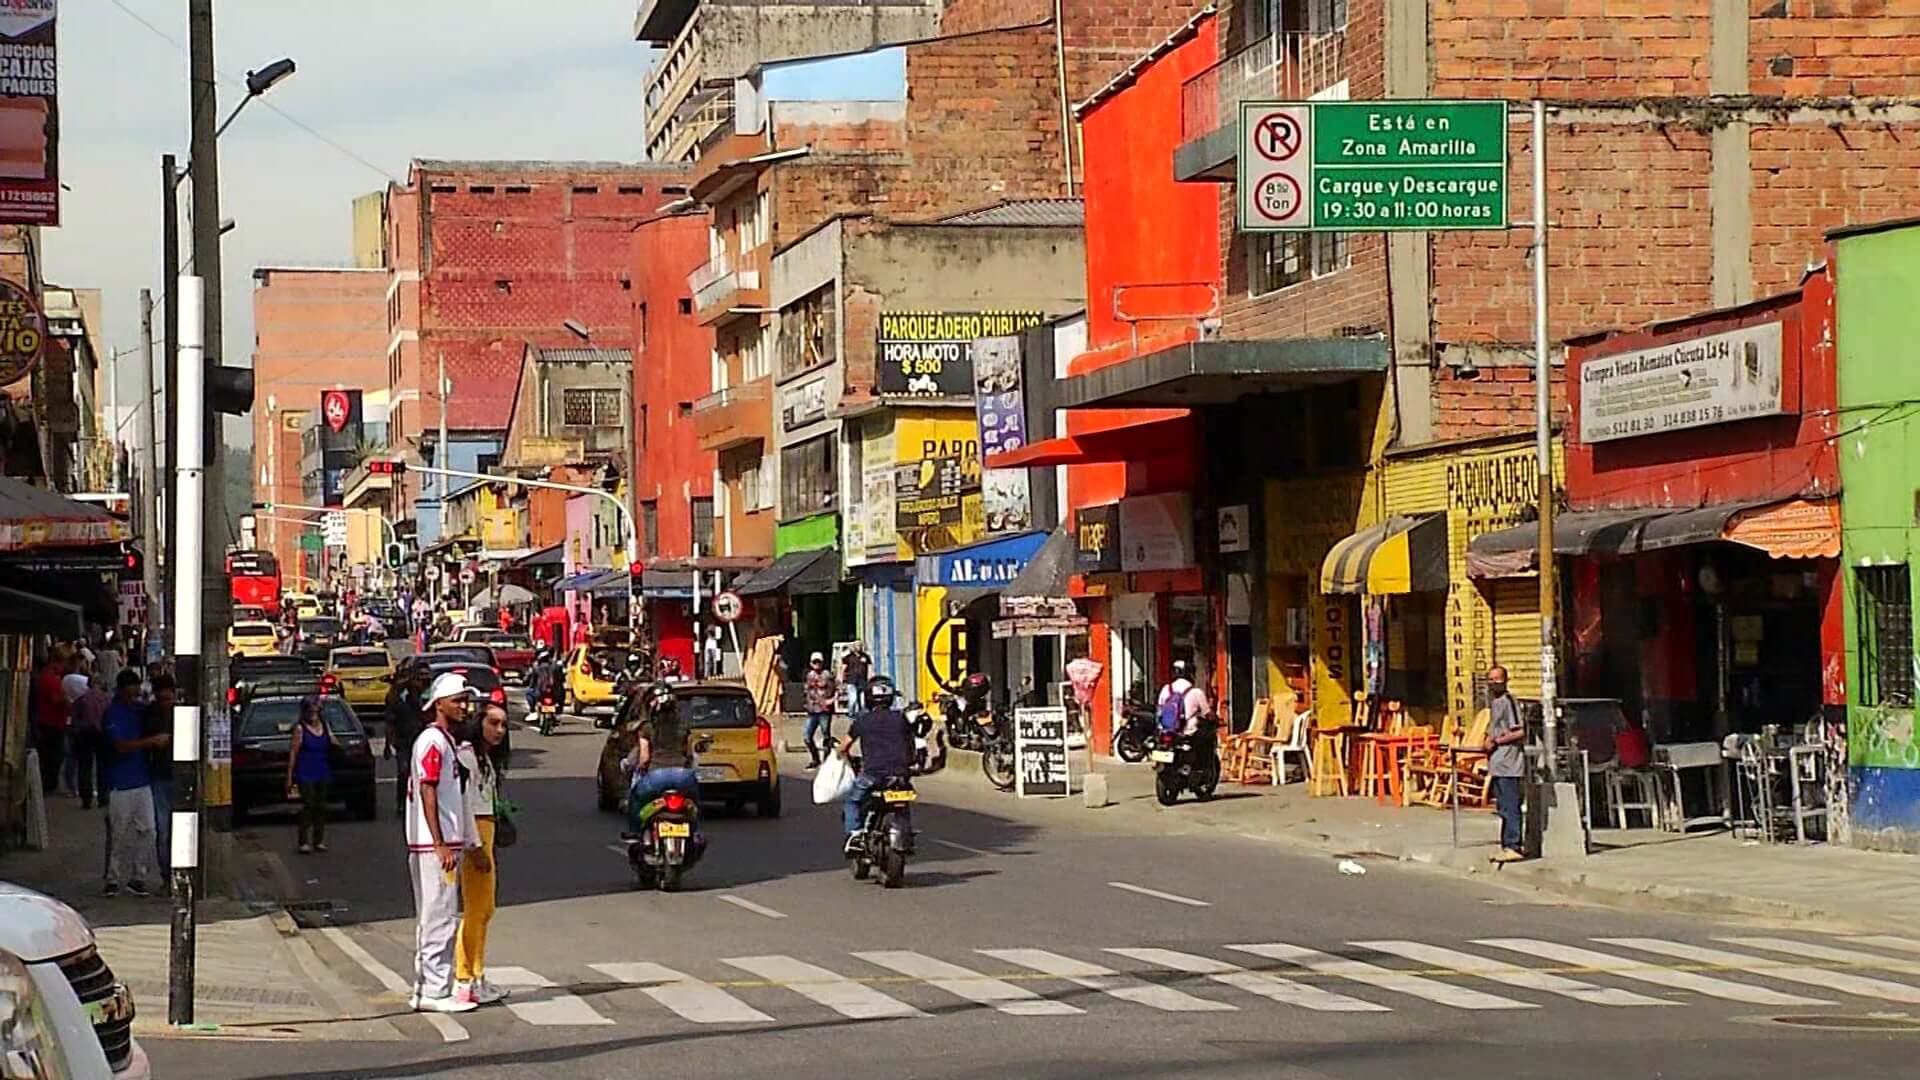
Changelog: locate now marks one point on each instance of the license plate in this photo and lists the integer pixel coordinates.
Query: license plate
(1164, 757)
(713, 774)
(899, 796)
(675, 828)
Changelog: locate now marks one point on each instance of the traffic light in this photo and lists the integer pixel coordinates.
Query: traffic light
(386, 468)
(229, 389)
(396, 554)
(131, 564)
(635, 571)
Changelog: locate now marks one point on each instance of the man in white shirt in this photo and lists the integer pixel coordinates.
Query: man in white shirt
(1193, 700)
(438, 832)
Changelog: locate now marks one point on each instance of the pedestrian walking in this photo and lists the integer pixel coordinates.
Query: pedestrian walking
(483, 756)
(130, 859)
(1506, 763)
(50, 717)
(406, 706)
(159, 721)
(821, 698)
(436, 833)
(310, 773)
(88, 725)
(73, 687)
(856, 668)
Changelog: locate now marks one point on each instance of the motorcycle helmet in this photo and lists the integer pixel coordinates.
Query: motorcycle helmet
(880, 692)
(975, 689)
(659, 697)
(1181, 670)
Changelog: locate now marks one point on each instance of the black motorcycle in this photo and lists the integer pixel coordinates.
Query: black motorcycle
(885, 838)
(997, 758)
(1138, 733)
(1184, 762)
(666, 841)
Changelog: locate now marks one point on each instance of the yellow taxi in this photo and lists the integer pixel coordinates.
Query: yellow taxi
(252, 639)
(304, 605)
(591, 670)
(364, 674)
(735, 760)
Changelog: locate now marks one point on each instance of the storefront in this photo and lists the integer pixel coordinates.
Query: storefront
(1310, 638)
(956, 603)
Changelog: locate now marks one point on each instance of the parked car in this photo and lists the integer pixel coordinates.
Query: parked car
(738, 766)
(591, 671)
(252, 639)
(52, 945)
(263, 736)
(363, 674)
(512, 653)
(314, 637)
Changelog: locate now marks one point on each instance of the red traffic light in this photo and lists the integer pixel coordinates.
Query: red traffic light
(636, 569)
(386, 468)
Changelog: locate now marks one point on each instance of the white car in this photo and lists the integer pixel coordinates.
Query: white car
(44, 1034)
(57, 949)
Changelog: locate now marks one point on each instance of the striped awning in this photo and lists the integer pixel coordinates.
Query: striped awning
(1399, 555)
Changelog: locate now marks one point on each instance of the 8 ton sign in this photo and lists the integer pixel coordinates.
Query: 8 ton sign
(1276, 166)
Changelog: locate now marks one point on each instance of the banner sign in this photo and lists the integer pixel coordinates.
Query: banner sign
(1735, 375)
(23, 333)
(29, 114)
(1096, 539)
(1158, 531)
(996, 562)
(930, 354)
(1040, 751)
(1000, 405)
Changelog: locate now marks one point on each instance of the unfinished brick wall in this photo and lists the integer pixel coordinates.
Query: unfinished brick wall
(1570, 49)
(1101, 39)
(1496, 399)
(983, 122)
(807, 191)
(1834, 48)
(1811, 178)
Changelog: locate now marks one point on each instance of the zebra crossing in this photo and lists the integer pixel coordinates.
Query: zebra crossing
(1364, 976)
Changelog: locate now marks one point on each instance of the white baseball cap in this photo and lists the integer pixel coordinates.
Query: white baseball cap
(450, 684)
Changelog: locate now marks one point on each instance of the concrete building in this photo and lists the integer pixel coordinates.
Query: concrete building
(706, 44)
(673, 372)
(487, 257)
(315, 329)
(569, 407)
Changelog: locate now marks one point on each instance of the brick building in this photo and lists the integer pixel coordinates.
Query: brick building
(315, 329)
(487, 257)
(674, 370)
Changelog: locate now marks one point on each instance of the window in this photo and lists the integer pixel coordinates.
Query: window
(503, 285)
(633, 191)
(589, 407)
(519, 189)
(585, 189)
(686, 305)
(807, 333)
(642, 428)
(674, 189)
(650, 526)
(703, 525)
(480, 189)
(642, 343)
(1883, 606)
(1277, 260)
(755, 362)
(754, 489)
(807, 478)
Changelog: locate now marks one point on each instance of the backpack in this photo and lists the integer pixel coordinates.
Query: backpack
(1170, 718)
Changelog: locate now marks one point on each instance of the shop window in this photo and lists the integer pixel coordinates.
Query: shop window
(807, 478)
(1276, 260)
(1883, 599)
(703, 525)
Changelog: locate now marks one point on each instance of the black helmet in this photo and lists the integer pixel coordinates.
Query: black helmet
(880, 692)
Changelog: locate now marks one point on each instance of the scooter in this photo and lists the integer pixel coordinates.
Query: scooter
(1184, 762)
(885, 838)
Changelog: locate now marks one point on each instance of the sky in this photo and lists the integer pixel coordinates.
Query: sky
(381, 82)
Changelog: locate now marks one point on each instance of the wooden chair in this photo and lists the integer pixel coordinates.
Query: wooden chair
(1433, 772)
(1244, 758)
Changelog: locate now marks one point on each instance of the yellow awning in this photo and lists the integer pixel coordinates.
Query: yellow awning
(1399, 555)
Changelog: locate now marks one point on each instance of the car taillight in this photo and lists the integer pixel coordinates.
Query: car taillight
(497, 695)
(233, 695)
(762, 734)
(243, 759)
(674, 802)
(329, 684)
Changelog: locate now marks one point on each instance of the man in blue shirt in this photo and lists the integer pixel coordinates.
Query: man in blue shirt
(130, 856)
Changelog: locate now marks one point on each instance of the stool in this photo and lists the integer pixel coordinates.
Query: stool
(1645, 798)
(1330, 762)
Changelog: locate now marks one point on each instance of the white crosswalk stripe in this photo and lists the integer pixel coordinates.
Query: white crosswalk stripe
(1887, 941)
(1440, 993)
(970, 985)
(1511, 974)
(692, 999)
(531, 1000)
(837, 992)
(1271, 987)
(1107, 981)
(1828, 953)
(1858, 985)
(1649, 973)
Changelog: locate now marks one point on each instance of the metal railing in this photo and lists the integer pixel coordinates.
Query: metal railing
(733, 395)
(1288, 66)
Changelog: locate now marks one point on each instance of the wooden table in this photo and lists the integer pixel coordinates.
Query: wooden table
(1385, 753)
(1333, 758)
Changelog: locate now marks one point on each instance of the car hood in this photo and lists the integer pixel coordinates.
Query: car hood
(37, 928)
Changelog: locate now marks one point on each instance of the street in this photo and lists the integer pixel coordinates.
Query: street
(1052, 941)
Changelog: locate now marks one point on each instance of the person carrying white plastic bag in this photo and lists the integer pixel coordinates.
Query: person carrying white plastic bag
(834, 779)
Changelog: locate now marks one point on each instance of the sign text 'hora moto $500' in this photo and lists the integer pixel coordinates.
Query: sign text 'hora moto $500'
(1372, 166)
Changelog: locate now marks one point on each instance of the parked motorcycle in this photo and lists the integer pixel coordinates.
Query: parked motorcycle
(1184, 762)
(929, 741)
(1138, 733)
(885, 838)
(667, 842)
(997, 759)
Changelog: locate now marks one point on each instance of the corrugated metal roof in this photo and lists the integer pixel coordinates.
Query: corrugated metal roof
(511, 166)
(1057, 212)
(586, 355)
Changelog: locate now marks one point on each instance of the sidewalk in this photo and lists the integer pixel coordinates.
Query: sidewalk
(1706, 872)
(254, 976)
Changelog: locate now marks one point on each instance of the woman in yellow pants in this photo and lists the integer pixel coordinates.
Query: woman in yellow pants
(479, 873)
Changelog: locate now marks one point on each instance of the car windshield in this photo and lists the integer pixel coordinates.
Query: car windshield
(359, 660)
(472, 655)
(319, 626)
(253, 629)
(478, 676)
(716, 710)
(276, 716)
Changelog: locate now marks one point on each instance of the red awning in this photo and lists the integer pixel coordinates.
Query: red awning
(1127, 442)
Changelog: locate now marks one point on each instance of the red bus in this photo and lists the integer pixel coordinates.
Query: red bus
(256, 579)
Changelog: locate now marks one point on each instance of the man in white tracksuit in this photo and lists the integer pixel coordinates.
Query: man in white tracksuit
(437, 836)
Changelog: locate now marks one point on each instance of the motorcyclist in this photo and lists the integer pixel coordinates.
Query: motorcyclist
(662, 755)
(1192, 701)
(886, 752)
(539, 676)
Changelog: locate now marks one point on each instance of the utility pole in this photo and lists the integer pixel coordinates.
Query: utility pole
(150, 479)
(170, 357)
(205, 169)
(442, 458)
(1543, 453)
(189, 488)
(627, 421)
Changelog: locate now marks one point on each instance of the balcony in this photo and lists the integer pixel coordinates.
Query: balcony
(1288, 66)
(734, 417)
(720, 291)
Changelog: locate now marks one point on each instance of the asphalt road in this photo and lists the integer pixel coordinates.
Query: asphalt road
(1052, 941)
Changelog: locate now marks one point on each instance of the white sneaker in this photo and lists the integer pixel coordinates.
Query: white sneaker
(486, 993)
(448, 1004)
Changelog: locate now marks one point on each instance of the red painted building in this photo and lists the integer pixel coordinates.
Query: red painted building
(1704, 563)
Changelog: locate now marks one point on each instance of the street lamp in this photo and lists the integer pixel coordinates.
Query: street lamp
(258, 83)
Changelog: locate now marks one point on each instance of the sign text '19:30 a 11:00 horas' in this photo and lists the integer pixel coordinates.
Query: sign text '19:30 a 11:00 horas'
(1372, 166)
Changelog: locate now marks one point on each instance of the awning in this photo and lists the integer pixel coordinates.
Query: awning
(1127, 442)
(1796, 529)
(1399, 555)
(552, 555)
(1047, 572)
(503, 554)
(667, 584)
(582, 580)
(36, 517)
(25, 612)
(1221, 372)
(796, 572)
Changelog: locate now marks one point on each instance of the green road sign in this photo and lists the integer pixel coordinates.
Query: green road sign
(1372, 166)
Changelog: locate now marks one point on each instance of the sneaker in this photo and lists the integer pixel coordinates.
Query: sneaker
(139, 888)
(486, 993)
(854, 846)
(110, 890)
(464, 992)
(1507, 855)
(306, 849)
(448, 1004)
(319, 847)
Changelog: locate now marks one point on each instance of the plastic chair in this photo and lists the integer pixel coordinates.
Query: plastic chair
(1296, 745)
